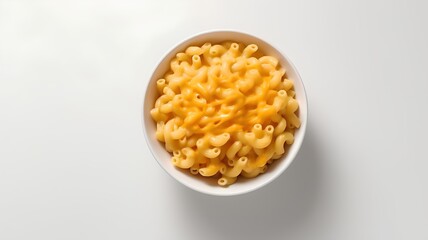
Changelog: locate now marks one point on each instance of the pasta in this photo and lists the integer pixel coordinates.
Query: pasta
(225, 111)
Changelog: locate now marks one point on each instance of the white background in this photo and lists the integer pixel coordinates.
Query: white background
(74, 163)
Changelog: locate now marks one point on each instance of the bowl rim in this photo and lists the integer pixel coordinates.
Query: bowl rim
(302, 129)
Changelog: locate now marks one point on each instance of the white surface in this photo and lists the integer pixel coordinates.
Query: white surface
(242, 185)
(73, 160)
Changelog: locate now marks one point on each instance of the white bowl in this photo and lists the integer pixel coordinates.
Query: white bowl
(194, 182)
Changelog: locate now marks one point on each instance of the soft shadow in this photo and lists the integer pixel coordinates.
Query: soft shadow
(279, 209)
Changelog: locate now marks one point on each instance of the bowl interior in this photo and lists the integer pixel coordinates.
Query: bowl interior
(199, 183)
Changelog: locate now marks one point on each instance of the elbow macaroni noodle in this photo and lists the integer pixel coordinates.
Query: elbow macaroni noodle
(225, 111)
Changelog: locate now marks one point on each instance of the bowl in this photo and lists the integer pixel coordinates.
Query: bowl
(198, 183)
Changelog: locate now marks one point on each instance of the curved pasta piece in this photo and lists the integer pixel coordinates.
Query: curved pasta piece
(219, 140)
(212, 169)
(177, 103)
(272, 61)
(254, 173)
(280, 100)
(203, 146)
(225, 68)
(160, 131)
(226, 181)
(211, 152)
(239, 65)
(249, 50)
(157, 115)
(170, 143)
(217, 50)
(233, 150)
(179, 133)
(280, 127)
(258, 130)
(196, 61)
(237, 168)
(194, 50)
(234, 49)
(182, 56)
(279, 144)
(166, 108)
(252, 64)
(287, 84)
(275, 80)
(244, 150)
(175, 66)
(261, 160)
(262, 142)
(184, 159)
(168, 92)
(164, 99)
(161, 84)
(194, 170)
(291, 117)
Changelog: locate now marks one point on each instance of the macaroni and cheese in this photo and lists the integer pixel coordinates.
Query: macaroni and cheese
(225, 110)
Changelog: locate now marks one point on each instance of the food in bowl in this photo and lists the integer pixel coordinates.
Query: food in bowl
(225, 110)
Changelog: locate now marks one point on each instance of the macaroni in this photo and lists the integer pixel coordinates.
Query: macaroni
(225, 111)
